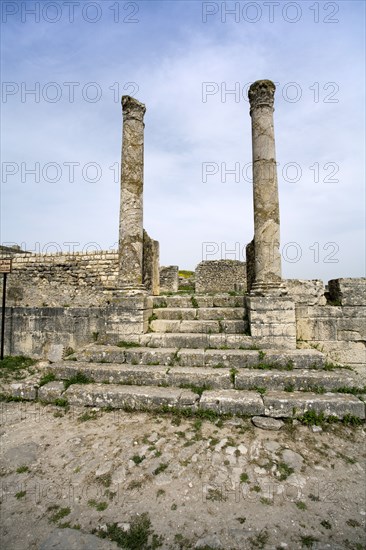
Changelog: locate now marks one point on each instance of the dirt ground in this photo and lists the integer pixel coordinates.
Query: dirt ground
(176, 482)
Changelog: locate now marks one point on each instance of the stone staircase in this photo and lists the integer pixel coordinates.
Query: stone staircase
(197, 356)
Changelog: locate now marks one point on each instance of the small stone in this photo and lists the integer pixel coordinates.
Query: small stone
(104, 469)
(124, 526)
(230, 450)
(243, 449)
(220, 445)
(294, 460)
(211, 541)
(316, 429)
(119, 475)
(55, 353)
(267, 423)
(271, 446)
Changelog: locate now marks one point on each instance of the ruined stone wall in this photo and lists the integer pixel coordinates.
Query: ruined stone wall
(220, 276)
(150, 265)
(62, 279)
(47, 331)
(169, 278)
(72, 279)
(339, 327)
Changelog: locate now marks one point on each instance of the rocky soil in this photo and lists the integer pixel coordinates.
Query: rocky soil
(150, 480)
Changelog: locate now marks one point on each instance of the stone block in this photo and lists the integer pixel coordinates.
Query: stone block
(349, 292)
(346, 353)
(149, 356)
(169, 278)
(269, 303)
(55, 352)
(298, 380)
(305, 292)
(51, 391)
(222, 300)
(22, 390)
(221, 313)
(200, 377)
(150, 265)
(133, 397)
(168, 313)
(284, 404)
(232, 358)
(232, 402)
(265, 330)
(165, 325)
(192, 357)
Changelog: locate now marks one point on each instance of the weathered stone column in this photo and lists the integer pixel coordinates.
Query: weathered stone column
(131, 210)
(271, 313)
(265, 189)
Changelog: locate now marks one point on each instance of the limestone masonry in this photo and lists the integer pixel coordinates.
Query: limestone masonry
(253, 342)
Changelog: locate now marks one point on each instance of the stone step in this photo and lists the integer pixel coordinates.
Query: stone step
(198, 301)
(144, 375)
(237, 402)
(130, 397)
(208, 377)
(232, 358)
(213, 341)
(291, 359)
(196, 326)
(305, 380)
(201, 314)
(279, 404)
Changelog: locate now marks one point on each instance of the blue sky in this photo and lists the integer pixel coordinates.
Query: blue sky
(181, 59)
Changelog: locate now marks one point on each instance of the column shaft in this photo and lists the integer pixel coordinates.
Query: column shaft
(131, 209)
(265, 189)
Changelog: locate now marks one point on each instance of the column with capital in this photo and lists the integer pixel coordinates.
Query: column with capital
(265, 189)
(131, 208)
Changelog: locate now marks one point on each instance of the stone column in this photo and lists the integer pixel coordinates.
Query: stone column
(265, 190)
(131, 210)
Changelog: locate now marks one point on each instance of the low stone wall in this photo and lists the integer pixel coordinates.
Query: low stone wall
(338, 330)
(169, 278)
(220, 276)
(46, 332)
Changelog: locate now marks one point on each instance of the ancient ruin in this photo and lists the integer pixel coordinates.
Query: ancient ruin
(250, 341)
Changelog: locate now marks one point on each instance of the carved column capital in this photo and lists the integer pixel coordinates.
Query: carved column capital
(132, 108)
(261, 94)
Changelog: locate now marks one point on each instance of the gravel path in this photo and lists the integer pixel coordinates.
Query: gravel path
(179, 483)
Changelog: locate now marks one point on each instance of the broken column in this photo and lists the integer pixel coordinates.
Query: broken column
(265, 189)
(131, 210)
